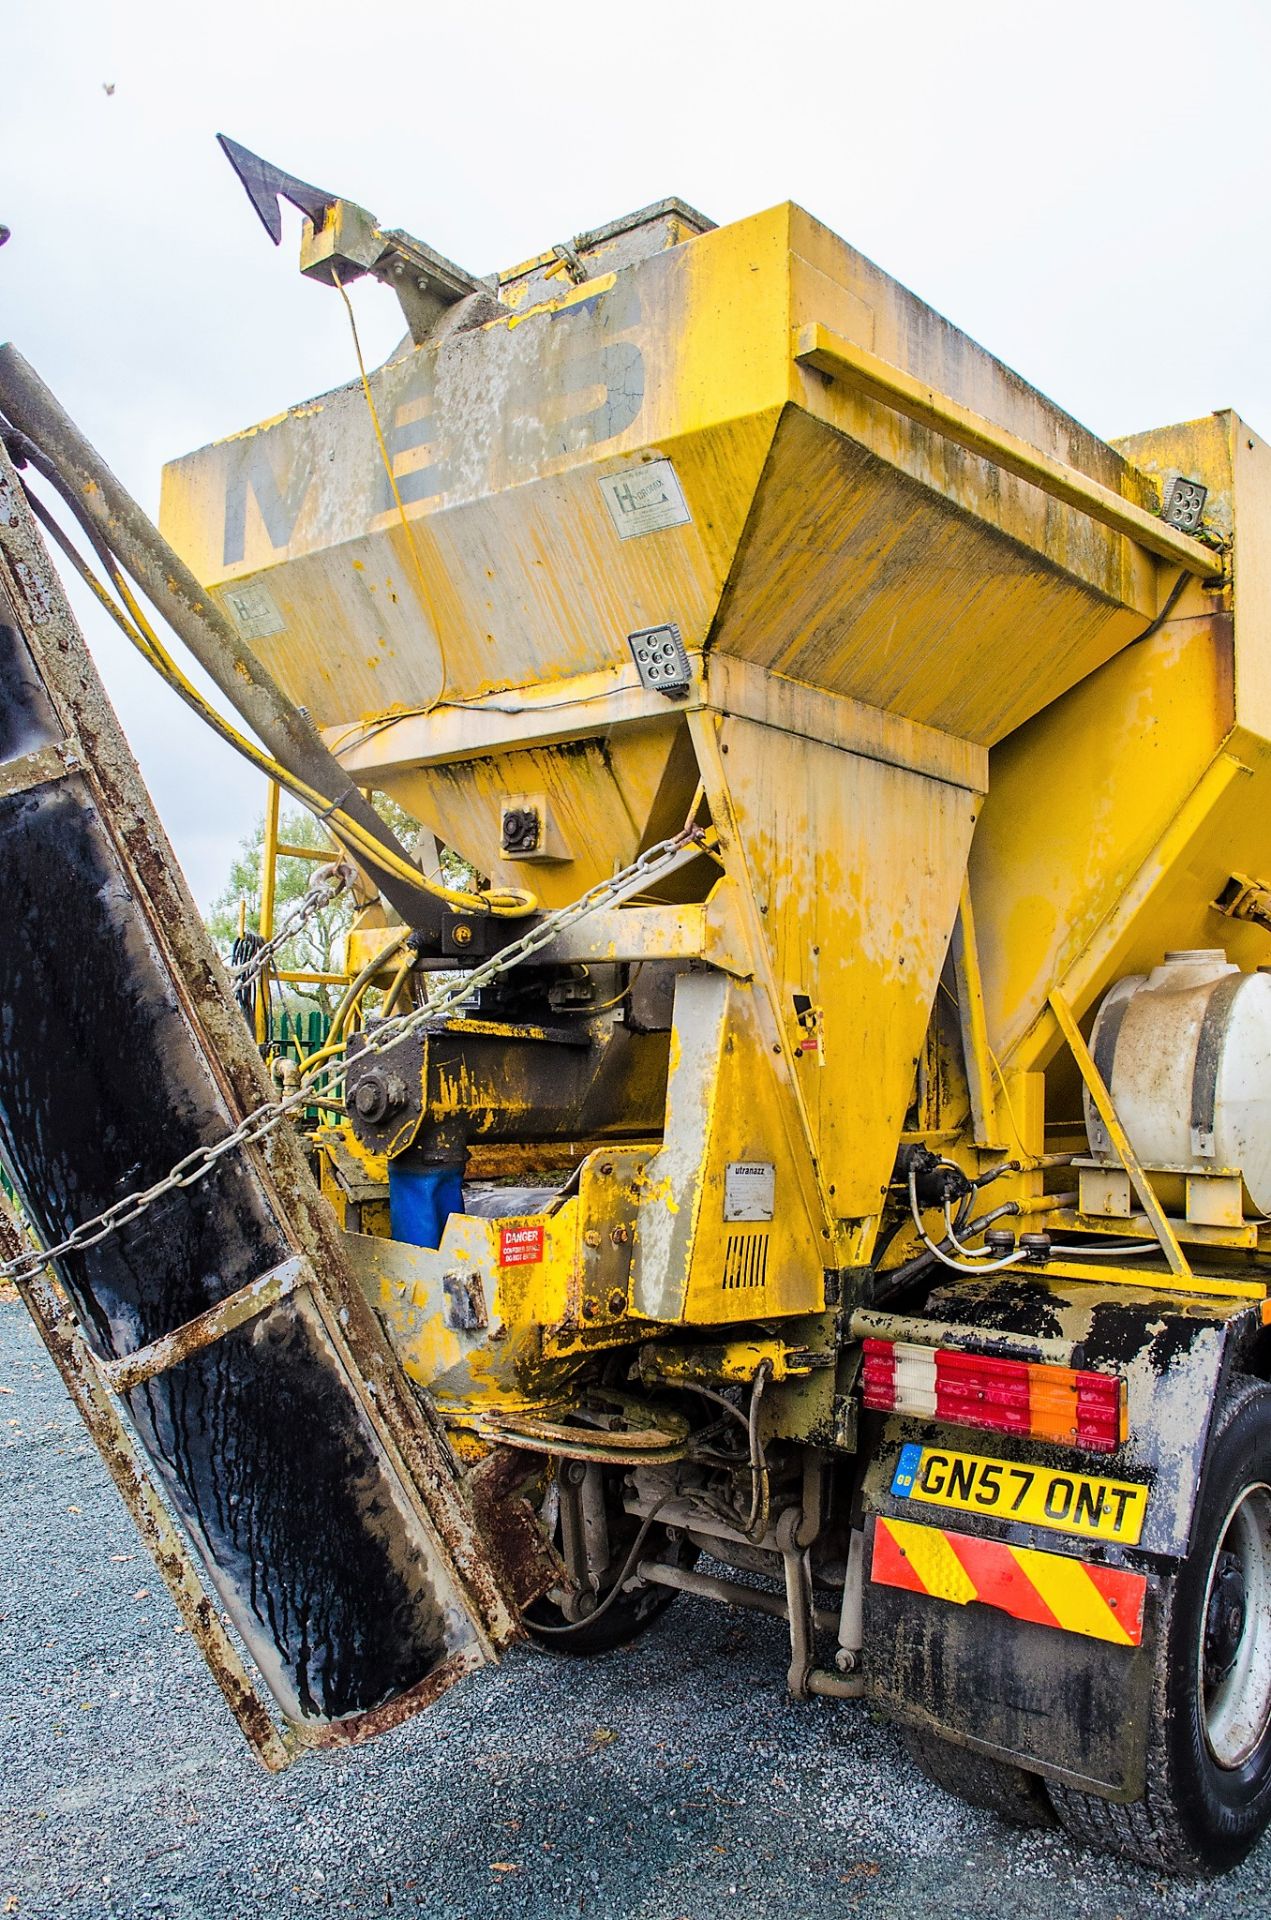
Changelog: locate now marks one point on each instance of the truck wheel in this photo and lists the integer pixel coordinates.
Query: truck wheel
(621, 1617)
(1209, 1752)
(1011, 1792)
(628, 1616)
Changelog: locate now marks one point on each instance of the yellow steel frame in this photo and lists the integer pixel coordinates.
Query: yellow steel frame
(273, 849)
(908, 611)
(1120, 1139)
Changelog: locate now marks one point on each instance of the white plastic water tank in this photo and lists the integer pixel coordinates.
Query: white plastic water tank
(1186, 1053)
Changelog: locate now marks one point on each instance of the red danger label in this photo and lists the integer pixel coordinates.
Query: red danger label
(520, 1246)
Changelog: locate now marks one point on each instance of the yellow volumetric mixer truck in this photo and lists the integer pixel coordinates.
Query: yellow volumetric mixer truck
(819, 1159)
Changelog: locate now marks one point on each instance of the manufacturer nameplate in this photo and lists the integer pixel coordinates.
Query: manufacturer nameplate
(644, 499)
(750, 1190)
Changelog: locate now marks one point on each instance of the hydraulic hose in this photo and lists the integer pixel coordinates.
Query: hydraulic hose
(289, 735)
(398, 987)
(353, 992)
(938, 1253)
(503, 903)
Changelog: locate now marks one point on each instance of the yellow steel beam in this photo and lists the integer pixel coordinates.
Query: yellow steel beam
(816, 346)
(975, 1036)
(268, 861)
(286, 851)
(1121, 1142)
(583, 704)
(268, 881)
(1133, 1226)
(1106, 1274)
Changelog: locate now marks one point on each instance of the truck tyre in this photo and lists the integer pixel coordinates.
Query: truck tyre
(628, 1616)
(622, 1617)
(1208, 1794)
(1012, 1793)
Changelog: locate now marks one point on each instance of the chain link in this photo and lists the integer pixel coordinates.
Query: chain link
(327, 885)
(263, 1120)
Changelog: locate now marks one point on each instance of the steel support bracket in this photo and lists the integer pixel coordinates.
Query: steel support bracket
(1177, 1259)
(245, 1304)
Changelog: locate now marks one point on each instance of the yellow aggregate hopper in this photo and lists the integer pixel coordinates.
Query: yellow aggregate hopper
(732, 445)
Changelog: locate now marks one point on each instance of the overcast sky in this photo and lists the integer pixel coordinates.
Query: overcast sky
(1082, 187)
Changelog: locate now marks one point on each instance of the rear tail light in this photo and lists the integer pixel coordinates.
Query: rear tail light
(1078, 1409)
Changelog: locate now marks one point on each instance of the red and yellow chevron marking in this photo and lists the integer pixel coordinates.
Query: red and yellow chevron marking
(1104, 1603)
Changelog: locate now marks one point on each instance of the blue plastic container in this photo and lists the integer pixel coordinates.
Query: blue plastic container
(421, 1199)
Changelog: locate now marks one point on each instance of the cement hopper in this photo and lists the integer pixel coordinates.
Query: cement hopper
(866, 722)
(715, 521)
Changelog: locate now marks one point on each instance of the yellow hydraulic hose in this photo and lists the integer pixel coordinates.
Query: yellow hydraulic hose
(396, 989)
(502, 903)
(334, 1041)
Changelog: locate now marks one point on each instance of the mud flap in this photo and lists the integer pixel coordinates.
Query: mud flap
(1047, 1693)
(1057, 1703)
(322, 1502)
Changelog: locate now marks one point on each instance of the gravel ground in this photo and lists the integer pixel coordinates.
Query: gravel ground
(672, 1781)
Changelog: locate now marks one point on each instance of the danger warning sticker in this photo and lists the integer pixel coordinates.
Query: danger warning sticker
(520, 1246)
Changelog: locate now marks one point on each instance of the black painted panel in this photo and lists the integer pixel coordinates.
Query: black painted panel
(260, 1442)
(27, 721)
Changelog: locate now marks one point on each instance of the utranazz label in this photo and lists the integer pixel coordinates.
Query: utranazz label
(750, 1190)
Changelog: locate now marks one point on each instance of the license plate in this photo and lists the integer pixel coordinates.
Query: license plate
(1040, 1496)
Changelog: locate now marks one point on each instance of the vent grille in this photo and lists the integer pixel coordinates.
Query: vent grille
(745, 1261)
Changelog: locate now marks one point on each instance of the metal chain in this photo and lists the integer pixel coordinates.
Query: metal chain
(263, 1120)
(327, 885)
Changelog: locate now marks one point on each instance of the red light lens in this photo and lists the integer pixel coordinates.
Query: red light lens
(879, 1374)
(1073, 1408)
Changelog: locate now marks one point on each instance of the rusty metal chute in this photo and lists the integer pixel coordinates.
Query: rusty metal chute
(323, 1507)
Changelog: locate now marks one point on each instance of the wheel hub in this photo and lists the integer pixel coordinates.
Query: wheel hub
(1234, 1666)
(1225, 1618)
